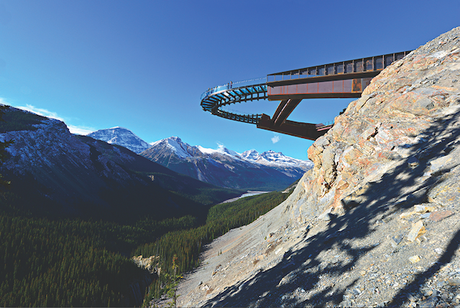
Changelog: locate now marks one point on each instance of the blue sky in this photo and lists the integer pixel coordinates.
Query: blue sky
(143, 65)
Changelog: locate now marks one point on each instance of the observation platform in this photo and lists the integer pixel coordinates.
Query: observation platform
(346, 79)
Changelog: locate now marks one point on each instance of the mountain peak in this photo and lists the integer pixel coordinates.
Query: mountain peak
(227, 168)
(250, 154)
(272, 154)
(175, 138)
(121, 136)
(222, 149)
(172, 145)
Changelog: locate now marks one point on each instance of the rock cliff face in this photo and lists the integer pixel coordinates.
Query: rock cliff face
(375, 222)
(402, 117)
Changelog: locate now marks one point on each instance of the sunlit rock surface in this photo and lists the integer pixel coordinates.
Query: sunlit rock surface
(375, 222)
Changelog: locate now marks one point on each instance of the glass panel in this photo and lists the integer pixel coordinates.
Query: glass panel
(338, 86)
(291, 89)
(286, 76)
(340, 68)
(321, 71)
(369, 64)
(325, 86)
(349, 67)
(379, 63)
(388, 60)
(270, 78)
(358, 65)
(303, 73)
(312, 71)
(302, 88)
(347, 86)
(295, 75)
(312, 87)
(330, 69)
(275, 90)
(399, 56)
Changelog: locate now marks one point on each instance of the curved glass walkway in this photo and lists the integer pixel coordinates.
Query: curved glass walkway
(213, 99)
(344, 79)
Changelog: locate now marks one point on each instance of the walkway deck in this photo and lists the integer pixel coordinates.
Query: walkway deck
(346, 79)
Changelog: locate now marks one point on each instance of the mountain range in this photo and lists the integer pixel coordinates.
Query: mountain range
(226, 168)
(56, 174)
(223, 167)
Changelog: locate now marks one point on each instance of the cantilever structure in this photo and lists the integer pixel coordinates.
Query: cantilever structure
(345, 79)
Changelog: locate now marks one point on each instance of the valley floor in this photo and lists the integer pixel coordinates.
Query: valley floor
(249, 193)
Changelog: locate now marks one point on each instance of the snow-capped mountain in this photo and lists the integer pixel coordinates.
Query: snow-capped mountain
(54, 173)
(276, 159)
(223, 167)
(121, 136)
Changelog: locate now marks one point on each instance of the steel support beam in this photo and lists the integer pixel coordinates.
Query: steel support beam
(345, 79)
(285, 111)
(297, 129)
(280, 108)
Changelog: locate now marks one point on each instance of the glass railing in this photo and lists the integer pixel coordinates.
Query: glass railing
(233, 85)
(369, 64)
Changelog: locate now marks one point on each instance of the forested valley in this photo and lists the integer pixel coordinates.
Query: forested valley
(76, 262)
(69, 237)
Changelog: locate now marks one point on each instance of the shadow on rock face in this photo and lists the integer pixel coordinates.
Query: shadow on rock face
(307, 276)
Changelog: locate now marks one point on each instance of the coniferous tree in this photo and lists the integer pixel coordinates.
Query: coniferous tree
(3, 146)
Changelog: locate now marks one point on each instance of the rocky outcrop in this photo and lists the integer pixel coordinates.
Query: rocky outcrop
(375, 222)
(149, 263)
(401, 116)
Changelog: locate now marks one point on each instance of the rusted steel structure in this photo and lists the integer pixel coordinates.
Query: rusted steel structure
(346, 79)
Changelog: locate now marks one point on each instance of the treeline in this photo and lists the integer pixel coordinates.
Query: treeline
(185, 246)
(14, 121)
(72, 262)
(77, 262)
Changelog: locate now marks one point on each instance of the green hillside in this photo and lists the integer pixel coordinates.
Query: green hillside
(74, 262)
(184, 246)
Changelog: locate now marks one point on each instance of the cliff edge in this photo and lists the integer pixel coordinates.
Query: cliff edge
(375, 222)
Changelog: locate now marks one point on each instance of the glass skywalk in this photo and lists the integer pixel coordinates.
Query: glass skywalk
(344, 79)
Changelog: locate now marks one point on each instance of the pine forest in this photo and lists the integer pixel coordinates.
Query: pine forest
(75, 262)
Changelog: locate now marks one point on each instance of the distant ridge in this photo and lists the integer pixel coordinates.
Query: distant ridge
(226, 168)
(54, 173)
